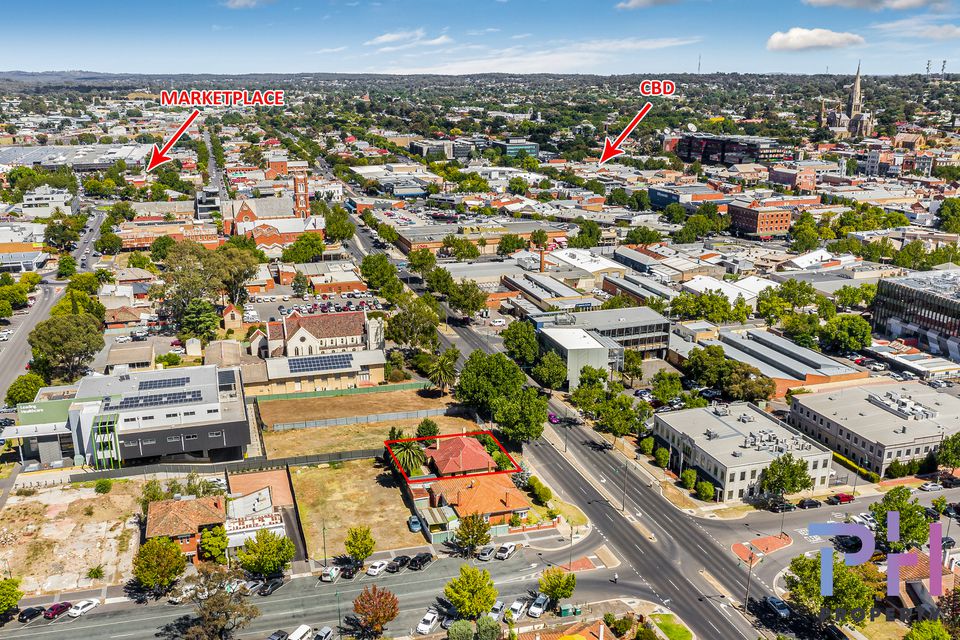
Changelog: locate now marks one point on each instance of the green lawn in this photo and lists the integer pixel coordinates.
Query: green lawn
(671, 626)
(6, 468)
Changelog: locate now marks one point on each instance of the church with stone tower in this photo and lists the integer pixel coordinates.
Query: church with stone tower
(854, 122)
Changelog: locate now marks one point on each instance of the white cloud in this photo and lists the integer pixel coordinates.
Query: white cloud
(245, 4)
(433, 42)
(576, 57)
(799, 39)
(643, 4)
(521, 36)
(929, 27)
(482, 32)
(396, 36)
(876, 5)
(330, 50)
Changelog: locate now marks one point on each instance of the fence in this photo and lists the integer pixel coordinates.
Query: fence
(406, 386)
(239, 466)
(375, 417)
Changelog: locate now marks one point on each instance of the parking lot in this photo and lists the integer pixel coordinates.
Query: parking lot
(281, 301)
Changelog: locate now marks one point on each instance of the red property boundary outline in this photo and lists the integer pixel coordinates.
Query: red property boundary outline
(516, 467)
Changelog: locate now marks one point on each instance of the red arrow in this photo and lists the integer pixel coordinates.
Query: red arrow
(157, 155)
(612, 149)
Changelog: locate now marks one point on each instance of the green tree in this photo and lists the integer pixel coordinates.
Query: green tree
(675, 213)
(472, 533)
(460, 630)
(706, 365)
(24, 389)
(646, 445)
(662, 457)
(805, 238)
(927, 630)
(68, 342)
(705, 490)
(643, 236)
(587, 236)
(913, 519)
(948, 455)
(539, 238)
(520, 342)
(666, 386)
(786, 474)
(557, 583)
(467, 297)
(422, 260)
(213, 544)
(266, 554)
(442, 372)
(109, 243)
(520, 415)
(551, 371)
(410, 456)
(160, 247)
(426, 428)
(510, 243)
(337, 224)
(376, 269)
(300, 284)
(439, 281)
(220, 609)
(633, 365)
(688, 479)
(803, 582)
(359, 542)
(846, 333)
(472, 592)
(200, 320)
(484, 378)
(770, 306)
(745, 383)
(414, 324)
(619, 301)
(158, 564)
(375, 609)
(66, 267)
(308, 247)
(10, 593)
(848, 296)
(802, 328)
(797, 293)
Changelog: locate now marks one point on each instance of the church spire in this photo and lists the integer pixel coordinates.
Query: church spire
(855, 105)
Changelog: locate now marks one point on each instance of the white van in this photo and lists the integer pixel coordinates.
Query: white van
(303, 632)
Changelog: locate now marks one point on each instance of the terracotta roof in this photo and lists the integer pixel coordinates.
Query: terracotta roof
(122, 314)
(330, 325)
(274, 331)
(173, 518)
(483, 495)
(919, 571)
(573, 631)
(459, 455)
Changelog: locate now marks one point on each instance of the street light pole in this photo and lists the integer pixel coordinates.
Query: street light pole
(339, 617)
(746, 596)
(324, 543)
(783, 512)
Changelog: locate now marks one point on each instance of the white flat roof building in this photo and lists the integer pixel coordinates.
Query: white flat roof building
(578, 348)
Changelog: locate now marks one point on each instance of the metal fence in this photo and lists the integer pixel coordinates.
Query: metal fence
(406, 386)
(239, 466)
(347, 420)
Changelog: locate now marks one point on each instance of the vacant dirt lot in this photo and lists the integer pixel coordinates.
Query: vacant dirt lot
(352, 494)
(299, 442)
(364, 404)
(53, 538)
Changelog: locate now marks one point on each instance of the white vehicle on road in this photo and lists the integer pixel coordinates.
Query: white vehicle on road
(123, 339)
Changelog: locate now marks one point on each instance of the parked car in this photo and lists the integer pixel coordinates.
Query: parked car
(427, 622)
(398, 563)
(782, 507)
(932, 514)
(270, 586)
(30, 613)
(325, 633)
(498, 322)
(279, 635)
(250, 587)
(948, 543)
(506, 550)
(449, 618)
(330, 574)
(539, 606)
(420, 561)
(350, 570)
(840, 498)
(778, 606)
(931, 486)
(413, 523)
(486, 553)
(120, 339)
(56, 610)
(517, 608)
(833, 633)
(377, 568)
(82, 607)
(809, 503)
(497, 611)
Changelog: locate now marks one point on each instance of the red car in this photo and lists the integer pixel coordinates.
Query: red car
(176, 343)
(56, 610)
(840, 498)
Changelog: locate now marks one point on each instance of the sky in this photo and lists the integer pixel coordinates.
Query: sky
(477, 36)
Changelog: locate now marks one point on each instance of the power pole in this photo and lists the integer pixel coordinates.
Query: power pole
(324, 530)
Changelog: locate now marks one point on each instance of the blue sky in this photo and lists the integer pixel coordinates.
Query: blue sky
(471, 36)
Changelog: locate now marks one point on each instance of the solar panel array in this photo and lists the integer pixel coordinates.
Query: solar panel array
(162, 383)
(320, 363)
(157, 400)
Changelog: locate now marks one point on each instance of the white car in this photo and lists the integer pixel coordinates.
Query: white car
(517, 609)
(497, 610)
(178, 350)
(82, 607)
(539, 606)
(377, 568)
(123, 339)
(498, 322)
(931, 486)
(4, 337)
(506, 550)
(427, 622)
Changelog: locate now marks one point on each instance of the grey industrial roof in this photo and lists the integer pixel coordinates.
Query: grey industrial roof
(784, 358)
(613, 318)
(721, 431)
(944, 283)
(70, 155)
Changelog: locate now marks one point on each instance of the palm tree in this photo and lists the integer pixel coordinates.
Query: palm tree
(443, 371)
(409, 455)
